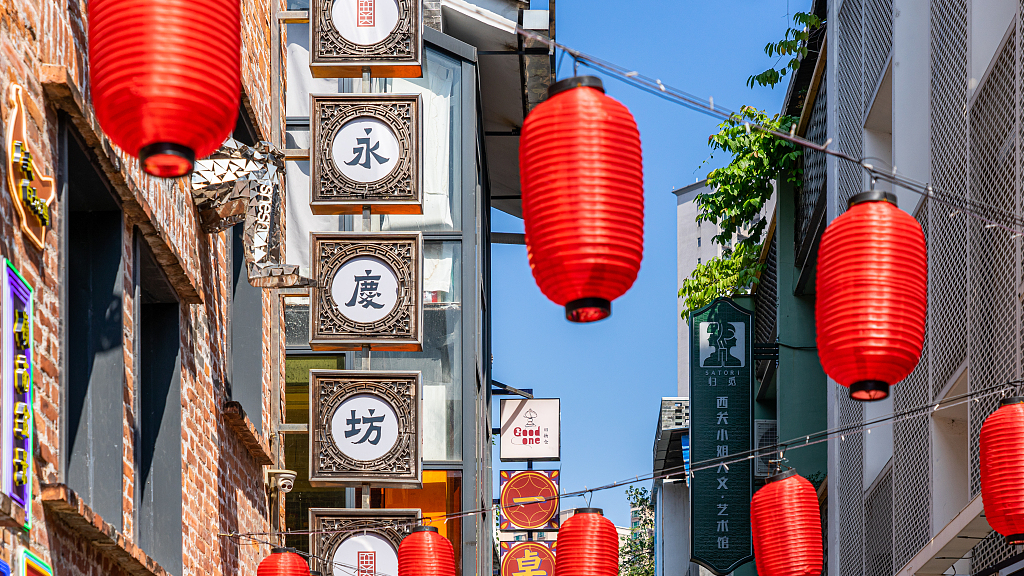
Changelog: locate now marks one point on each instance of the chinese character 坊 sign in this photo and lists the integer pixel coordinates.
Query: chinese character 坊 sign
(721, 384)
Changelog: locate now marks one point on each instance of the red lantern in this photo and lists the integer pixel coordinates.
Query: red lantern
(786, 525)
(426, 553)
(583, 197)
(283, 562)
(1002, 469)
(588, 545)
(165, 77)
(872, 296)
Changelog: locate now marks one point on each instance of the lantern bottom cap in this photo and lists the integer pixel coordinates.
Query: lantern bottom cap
(167, 159)
(1015, 539)
(588, 310)
(869, 390)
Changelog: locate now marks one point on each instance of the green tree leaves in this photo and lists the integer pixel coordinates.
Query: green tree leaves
(794, 45)
(636, 554)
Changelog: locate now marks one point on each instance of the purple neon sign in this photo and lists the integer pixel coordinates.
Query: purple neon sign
(16, 419)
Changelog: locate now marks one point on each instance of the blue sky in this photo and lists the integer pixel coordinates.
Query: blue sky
(612, 374)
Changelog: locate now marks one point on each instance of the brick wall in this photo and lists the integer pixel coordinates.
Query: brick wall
(43, 48)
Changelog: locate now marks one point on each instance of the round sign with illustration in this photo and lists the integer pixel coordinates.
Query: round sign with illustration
(533, 558)
(529, 499)
(365, 289)
(364, 427)
(365, 149)
(365, 22)
(365, 554)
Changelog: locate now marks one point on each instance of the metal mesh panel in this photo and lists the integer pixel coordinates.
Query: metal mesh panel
(850, 99)
(814, 185)
(877, 44)
(994, 311)
(878, 528)
(949, 231)
(851, 488)
(766, 306)
(911, 458)
(990, 551)
(823, 506)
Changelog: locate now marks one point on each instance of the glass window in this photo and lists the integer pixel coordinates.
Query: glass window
(441, 89)
(296, 321)
(441, 358)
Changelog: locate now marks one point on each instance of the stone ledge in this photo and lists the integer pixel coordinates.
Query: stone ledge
(236, 419)
(65, 504)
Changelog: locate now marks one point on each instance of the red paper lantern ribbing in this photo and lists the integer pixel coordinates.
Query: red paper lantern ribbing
(583, 199)
(785, 522)
(872, 291)
(588, 545)
(165, 77)
(426, 553)
(1002, 468)
(283, 562)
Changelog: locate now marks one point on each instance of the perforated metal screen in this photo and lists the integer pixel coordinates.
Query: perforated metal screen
(815, 174)
(878, 527)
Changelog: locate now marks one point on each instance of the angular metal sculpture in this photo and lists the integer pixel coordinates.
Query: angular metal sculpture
(243, 183)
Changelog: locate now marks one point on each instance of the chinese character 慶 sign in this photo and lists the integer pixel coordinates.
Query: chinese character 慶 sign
(721, 383)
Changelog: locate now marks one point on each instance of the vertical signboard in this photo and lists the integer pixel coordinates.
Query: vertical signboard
(721, 418)
(16, 435)
(32, 192)
(530, 429)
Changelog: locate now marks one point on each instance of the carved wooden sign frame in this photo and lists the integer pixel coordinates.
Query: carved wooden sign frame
(365, 151)
(367, 291)
(366, 427)
(331, 527)
(346, 36)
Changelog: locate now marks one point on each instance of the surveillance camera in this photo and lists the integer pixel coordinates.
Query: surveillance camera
(285, 479)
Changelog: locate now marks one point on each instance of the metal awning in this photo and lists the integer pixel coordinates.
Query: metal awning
(952, 543)
(514, 77)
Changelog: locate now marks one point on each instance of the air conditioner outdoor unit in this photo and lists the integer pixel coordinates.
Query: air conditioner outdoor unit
(766, 433)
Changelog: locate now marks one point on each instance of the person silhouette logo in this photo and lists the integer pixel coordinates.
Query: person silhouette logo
(722, 340)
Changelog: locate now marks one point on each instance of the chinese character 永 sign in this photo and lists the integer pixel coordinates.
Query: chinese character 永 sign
(530, 429)
(32, 192)
(721, 384)
(368, 291)
(365, 427)
(529, 500)
(349, 35)
(527, 559)
(365, 151)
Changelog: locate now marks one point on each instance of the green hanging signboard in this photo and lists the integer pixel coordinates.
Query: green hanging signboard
(721, 420)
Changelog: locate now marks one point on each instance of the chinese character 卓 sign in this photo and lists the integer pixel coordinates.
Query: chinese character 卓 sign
(721, 381)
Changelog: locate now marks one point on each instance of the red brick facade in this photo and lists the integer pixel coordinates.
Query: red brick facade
(43, 48)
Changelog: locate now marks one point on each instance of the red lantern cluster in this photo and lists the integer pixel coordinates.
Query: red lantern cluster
(1002, 469)
(283, 562)
(786, 525)
(425, 552)
(165, 77)
(583, 200)
(588, 545)
(871, 301)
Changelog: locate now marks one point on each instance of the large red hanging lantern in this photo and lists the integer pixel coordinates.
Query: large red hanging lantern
(165, 77)
(425, 552)
(785, 522)
(872, 296)
(283, 562)
(582, 178)
(1002, 469)
(588, 545)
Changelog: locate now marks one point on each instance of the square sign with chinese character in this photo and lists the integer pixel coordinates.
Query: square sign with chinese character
(365, 151)
(365, 428)
(530, 429)
(368, 291)
(358, 542)
(721, 418)
(349, 35)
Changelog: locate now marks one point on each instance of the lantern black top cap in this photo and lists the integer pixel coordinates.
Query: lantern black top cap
(575, 82)
(1011, 400)
(782, 475)
(873, 196)
(425, 529)
(590, 511)
(280, 550)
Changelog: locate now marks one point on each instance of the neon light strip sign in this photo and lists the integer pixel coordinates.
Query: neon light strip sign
(16, 420)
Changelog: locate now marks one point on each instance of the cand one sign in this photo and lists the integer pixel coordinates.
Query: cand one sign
(721, 421)
(365, 428)
(528, 500)
(16, 306)
(528, 558)
(32, 192)
(366, 151)
(347, 36)
(358, 542)
(368, 291)
(530, 429)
